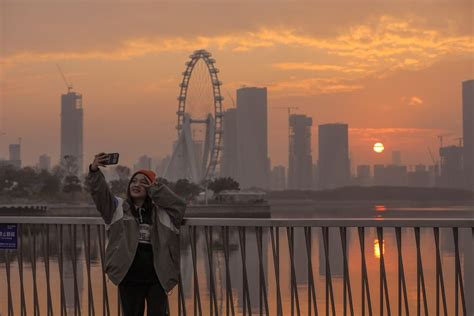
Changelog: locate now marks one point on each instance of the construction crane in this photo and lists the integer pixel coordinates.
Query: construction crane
(289, 108)
(440, 138)
(2, 125)
(231, 98)
(2, 121)
(435, 162)
(68, 85)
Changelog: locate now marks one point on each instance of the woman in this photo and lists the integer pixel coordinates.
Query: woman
(142, 255)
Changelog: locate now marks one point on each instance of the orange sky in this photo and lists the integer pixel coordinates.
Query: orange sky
(390, 69)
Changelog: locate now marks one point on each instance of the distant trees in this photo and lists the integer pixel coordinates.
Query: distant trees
(71, 182)
(62, 184)
(186, 189)
(30, 184)
(225, 183)
(72, 185)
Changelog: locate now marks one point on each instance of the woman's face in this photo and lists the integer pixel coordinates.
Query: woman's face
(137, 186)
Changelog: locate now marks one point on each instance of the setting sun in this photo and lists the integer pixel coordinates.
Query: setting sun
(377, 248)
(379, 148)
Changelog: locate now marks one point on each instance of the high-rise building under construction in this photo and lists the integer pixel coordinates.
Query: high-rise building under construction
(72, 128)
(468, 131)
(300, 159)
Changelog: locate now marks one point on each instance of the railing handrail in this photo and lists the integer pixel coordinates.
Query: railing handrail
(466, 222)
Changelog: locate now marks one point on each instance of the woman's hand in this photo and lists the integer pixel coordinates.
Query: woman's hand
(99, 161)
(146, 186)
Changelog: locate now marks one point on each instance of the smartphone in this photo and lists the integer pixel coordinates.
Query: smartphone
(113, 159)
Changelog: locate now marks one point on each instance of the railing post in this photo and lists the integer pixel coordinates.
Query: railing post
(197, 296)
(276, 265)
(329, 290)
(346, 278)
(213, 298)
(459, 286)
(383, 275)
(401, 275)
(9, 288)
(20, 271)
(311, 286)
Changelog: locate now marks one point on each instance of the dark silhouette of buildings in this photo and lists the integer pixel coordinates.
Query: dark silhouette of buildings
(363, 177)
(72, 128)
(452, 173)
(391, 175)
(44, 162)
(15, 155)
(468, 131)
(229, 154)
(420, 177)
(300, 158)
(253, 162)
(334, 164)
(278, 178)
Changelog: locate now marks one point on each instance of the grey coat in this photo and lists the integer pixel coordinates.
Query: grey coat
(123, 230)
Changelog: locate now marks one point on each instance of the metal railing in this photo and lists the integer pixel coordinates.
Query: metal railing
(240, 267)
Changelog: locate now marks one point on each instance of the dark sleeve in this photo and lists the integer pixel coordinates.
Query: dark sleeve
(163, 197)
(104, 201)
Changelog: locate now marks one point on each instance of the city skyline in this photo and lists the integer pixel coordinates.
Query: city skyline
(392, 74)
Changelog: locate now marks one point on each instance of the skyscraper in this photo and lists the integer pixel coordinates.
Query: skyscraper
(300, 158)
(468, 131)
(278, 178)
(363, 175)
(44, 162)
(452, 175)
(15, 155)
(252, 137)
(72, 128)
(334, 164)
(229, 154)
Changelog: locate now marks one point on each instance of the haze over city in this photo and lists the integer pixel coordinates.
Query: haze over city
(392, 72)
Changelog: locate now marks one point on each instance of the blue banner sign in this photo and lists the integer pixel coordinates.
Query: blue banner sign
(8, 236)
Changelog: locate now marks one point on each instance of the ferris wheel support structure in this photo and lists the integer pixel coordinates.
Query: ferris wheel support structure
(198, 169)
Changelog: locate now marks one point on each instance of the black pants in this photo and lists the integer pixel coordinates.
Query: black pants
(133, 299)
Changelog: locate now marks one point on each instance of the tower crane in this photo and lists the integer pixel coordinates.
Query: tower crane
(68, 85)
(288, 108)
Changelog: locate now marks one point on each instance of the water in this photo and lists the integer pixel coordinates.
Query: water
(281, 209)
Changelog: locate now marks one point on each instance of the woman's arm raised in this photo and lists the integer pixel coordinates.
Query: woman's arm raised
(104, 201)
(163, 197)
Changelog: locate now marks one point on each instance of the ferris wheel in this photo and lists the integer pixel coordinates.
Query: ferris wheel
(196, 152)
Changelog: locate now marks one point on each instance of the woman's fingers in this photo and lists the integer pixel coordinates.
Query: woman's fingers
(100, 160)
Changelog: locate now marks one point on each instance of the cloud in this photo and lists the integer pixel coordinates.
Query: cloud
(412, 101)
(378, 40)
(317, 67)
(313, 86)
(402, 135)
(375, 48)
